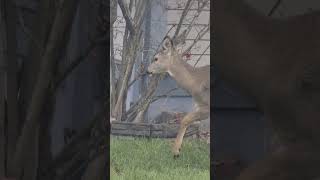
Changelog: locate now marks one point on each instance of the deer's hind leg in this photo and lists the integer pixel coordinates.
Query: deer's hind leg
(200, 114)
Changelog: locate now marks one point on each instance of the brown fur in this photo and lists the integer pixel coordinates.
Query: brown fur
(196, 81)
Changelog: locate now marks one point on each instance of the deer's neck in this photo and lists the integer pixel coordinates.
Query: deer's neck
(240, 35)
(182, 72)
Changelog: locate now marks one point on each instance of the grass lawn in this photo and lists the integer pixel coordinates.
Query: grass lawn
(151, 159)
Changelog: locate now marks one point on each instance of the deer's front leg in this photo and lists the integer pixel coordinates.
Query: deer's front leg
(200, 114)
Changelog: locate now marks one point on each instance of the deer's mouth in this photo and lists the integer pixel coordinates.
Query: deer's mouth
(149, 73)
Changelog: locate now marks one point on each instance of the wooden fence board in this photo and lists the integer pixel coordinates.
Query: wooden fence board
(150, 130)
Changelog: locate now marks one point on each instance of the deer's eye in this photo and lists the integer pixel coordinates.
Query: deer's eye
(155, 59)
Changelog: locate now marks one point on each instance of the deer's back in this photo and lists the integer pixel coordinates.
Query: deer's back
(202, 74)
(202, 78)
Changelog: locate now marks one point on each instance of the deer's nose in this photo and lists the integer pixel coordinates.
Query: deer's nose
(148, 71)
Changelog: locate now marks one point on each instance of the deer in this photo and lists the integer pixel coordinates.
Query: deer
(276, 62)
(195, 80)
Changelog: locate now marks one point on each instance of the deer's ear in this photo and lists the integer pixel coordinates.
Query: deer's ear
(179, 48)
(167, 43)
(180, 41)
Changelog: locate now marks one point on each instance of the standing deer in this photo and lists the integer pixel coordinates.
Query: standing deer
(277, 62)
(196, 81)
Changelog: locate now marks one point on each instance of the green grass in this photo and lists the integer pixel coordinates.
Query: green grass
(151, 159)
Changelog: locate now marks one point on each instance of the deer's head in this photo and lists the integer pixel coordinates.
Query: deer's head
(168, 54)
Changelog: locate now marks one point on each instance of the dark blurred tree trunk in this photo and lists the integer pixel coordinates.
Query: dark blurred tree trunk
(40, 30)
(97, 167)
(25, 115)
(12, 90)
(3, 48)
(29, 135)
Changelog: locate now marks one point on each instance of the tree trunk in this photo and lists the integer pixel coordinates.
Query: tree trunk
(37, 41)
(113, 8)
(131, 46)
(147, 99)
(2, 123)
(2, 128)
(61, 26)
(96, 169)
(12, 89)
(131, 56)
(3, 48)
(41, 26)
(112, 73)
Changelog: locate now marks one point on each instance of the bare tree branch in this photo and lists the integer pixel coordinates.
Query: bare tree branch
(201, 56)
(124, 62)
(124, 46)
(144, 102)
(134, 45)
(126, 15)
(166, 94)
(76, 62)
(199, 36)
(196, 16)
(113, 73)
(142, 106)
(138, 116)
(183, 15)
(62, 20)
(139, 16)
(26, 31)
(131, 51)
(137, 78)
(275, 6)
(137, 110)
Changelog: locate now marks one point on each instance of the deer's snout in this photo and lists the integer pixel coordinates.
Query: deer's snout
(149, 69)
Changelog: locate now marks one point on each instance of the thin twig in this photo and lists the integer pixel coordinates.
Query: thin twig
(126, 14)
(196, 16)
(26, 31)
(183, 15)
(136, 78)
(166, 94)
(140, 18)
(148, 98)
(165, 36)
(199, 36)
(201, 56)
(76, 62)
(275, 6)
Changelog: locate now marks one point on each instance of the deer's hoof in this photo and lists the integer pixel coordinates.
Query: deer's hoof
(176, 156)
(176, 153)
